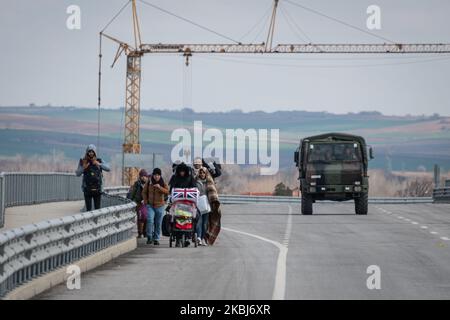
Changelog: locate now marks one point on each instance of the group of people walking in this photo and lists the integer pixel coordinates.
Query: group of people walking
(151, 192)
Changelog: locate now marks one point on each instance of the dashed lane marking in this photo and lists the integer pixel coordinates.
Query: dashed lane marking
(414, 223)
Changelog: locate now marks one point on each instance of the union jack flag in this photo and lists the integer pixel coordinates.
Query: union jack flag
(188, 194)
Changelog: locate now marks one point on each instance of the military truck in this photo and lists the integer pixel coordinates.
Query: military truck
(333, 166)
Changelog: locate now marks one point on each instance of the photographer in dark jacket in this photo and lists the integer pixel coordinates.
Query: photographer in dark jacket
(92, 169)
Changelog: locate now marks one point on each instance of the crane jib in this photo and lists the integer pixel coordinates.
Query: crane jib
(298, 48)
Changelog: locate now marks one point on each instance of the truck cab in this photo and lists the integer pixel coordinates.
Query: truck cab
(334, 167)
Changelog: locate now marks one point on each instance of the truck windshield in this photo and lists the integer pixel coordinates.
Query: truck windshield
(328, 152)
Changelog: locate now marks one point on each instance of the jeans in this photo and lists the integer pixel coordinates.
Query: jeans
(89, 196)
(202, 225)
(154, 220)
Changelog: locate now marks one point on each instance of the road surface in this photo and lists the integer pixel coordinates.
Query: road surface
(270, 251)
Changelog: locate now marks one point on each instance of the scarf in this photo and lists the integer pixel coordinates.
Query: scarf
(160, 182)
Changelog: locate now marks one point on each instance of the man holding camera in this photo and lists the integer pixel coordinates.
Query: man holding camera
(92, 169)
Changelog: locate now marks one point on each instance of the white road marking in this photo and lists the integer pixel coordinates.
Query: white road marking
(287, 233)
(416, 223)
(279, 289)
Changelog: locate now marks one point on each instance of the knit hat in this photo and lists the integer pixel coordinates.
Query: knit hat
(143, 173)
(157, 171)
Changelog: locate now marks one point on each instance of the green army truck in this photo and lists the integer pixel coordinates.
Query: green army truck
(333, 166)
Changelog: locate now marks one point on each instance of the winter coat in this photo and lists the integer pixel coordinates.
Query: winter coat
(187, 181)
(153, 196)
(207, 186)
(81, 171)
(136, 191)
(214, 219)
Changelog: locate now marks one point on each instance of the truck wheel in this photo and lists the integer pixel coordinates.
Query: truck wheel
(307, 205)
(361, 204)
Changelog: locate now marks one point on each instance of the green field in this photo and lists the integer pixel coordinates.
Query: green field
(37, 130)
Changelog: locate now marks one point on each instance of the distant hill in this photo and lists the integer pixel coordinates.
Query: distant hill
(401, 143)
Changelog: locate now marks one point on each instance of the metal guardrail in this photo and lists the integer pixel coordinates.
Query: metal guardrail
(441, 195)
(32, 188)
(33, 250)
(2, 200)
(19, 188)
(400, 200)
(237, 199)
(117, 191)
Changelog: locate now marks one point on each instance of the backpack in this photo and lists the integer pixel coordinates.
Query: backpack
(166, 226)
(93, 178)
(135, 192)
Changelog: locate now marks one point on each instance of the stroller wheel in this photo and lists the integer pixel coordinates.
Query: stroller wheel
(194, 238)
(185, 241)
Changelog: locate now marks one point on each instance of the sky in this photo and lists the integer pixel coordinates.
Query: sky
(43, 62)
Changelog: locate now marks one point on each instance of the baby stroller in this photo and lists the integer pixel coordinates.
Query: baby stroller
(183, 216)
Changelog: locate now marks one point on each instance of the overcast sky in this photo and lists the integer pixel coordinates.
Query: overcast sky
(42, 61)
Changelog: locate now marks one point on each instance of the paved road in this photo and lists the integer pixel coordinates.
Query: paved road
(271, 251)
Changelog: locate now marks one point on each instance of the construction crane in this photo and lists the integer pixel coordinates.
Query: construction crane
(131, 143)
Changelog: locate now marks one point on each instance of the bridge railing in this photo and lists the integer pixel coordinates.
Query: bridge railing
(236, 199)
(2, 200)
(19, 188)
(441, 195)
(33, 188)
(33, 250)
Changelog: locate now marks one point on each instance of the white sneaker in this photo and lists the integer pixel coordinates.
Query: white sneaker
(199, 242)
(204, 242)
